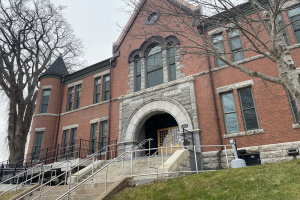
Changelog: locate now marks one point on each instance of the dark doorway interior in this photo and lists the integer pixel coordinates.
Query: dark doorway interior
(154, 123)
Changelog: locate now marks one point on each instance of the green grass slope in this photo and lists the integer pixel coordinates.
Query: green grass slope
(272, 181)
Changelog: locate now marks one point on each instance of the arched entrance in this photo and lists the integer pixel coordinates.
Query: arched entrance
(162, 128)
(149, 112)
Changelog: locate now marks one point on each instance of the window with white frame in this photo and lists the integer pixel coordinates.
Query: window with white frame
(248, 110)
(45, 101)
(37, 145)
(235, 44)
(154, 66)
(171, 62)
(138, 73)
(218, 42)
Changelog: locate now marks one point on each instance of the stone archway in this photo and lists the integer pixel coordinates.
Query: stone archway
(152, 107)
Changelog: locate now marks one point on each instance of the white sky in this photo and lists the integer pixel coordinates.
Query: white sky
(95, 23)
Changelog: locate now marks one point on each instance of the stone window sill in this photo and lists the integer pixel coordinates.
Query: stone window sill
(252, 132)
(296, 126)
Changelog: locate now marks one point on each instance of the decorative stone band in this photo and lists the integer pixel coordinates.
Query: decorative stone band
(40, 129)
(158, 87)
(70, 127)
(235, 86)
(99, 120)
(252, 132)
(47, 87)
(102, 73)
(46, 114)
(296, 126)
(298, 70)
(76, 83)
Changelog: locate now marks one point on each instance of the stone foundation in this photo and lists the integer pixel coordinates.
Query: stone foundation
(272, 153)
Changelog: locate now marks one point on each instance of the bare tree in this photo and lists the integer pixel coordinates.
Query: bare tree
(32, 34)
(258, 22)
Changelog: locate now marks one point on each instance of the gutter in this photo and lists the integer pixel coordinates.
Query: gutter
(214, 101)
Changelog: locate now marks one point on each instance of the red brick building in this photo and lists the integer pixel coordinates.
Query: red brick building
(149, 89)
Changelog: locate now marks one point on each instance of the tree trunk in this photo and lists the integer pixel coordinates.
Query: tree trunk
(18, 128)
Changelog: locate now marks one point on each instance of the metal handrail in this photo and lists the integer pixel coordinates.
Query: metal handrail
(123, 155)
(18, 175)
(66, 172)
(38, 175)
(135, 163)
(148, 156)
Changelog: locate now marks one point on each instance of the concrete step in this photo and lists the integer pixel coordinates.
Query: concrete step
(72, 197)
(97, 190)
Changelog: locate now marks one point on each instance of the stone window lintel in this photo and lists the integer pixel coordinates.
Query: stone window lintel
(239, 134)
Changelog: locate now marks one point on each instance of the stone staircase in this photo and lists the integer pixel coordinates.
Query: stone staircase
(122, 169)
(86, 192)
(96, 186)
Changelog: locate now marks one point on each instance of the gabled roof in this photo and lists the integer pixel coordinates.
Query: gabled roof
(181, 4)
(58, 67)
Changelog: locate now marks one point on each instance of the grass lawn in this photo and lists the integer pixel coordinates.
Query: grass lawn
(272, 181)
(8, 195)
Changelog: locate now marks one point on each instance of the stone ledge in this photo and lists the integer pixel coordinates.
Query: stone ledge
(45, 114)
(252, 132)
(295, 126)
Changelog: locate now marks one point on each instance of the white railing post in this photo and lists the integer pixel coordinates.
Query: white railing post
(162, 161)
(131, 171)
(196, 163)
(149, 155)
(106, 179)
(226, 156)
(66, 173)
(93, 163)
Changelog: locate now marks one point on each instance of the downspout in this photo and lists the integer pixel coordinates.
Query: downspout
(59, 110)
(214, 100)
(109, 106)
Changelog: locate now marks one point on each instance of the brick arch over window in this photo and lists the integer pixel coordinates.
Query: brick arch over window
(152, 107)
(142, 51)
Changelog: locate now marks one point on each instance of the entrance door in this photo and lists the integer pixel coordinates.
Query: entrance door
(168, 137)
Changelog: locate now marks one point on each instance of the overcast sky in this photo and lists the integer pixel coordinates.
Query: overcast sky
(95, 23)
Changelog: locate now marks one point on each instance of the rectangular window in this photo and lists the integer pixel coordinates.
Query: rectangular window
(64, 144)
(248, 109)
(172, 65)
(72, 141)
(97, 90)
(218, 42)
(137, 66)
(37, 147)
(103, 135)
(293, 107)
(284, 31)
(70, 98)
(154, 67)
(106, 87)
(93, 138)
(294, 15)
(235, 44)
(77, 97)
(45, 101)
(229, 112)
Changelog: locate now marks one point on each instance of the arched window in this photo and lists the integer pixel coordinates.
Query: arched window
(171, 62)
(154, 66)
(137, 70)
